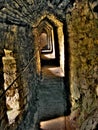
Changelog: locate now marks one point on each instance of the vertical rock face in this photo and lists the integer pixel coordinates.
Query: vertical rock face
(3, 116)
(18, 19)
(83, 42)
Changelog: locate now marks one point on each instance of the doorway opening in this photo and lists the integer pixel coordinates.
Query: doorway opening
(48, 46)
(12, 95)
(51, 43)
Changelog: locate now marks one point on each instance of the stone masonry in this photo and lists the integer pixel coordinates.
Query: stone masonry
(77, 99)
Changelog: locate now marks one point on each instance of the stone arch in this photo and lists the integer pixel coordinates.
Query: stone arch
(50, 21)
(50, 24)
(50, 51)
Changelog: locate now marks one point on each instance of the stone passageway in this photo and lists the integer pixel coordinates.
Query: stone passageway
(64, 34)
(51, 96)
(52, 102)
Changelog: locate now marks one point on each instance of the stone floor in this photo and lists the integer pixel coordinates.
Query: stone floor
(54, 124)
(61, 123)
(52, 102)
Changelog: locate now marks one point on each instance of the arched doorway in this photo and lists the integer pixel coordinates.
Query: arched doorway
(51, 95)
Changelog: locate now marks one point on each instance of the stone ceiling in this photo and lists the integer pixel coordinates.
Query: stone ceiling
(26, 12)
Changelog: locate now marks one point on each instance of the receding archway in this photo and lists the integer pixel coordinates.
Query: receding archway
(50, 62)
(54, 55)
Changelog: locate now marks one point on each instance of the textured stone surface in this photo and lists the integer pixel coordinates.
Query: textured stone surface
(17, 21)
(83, 42)
(3, 116)
(12, 96)
(52, 96)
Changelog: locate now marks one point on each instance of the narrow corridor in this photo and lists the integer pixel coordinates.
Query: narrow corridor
(51, 95)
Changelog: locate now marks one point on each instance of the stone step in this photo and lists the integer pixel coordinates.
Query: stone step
(51, 98)
(54, 124)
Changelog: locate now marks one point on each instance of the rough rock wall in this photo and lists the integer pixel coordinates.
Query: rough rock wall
(3, 116)
(83, 49)
(16, 17)
(20, 41)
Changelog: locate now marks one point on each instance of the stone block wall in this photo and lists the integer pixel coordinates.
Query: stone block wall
(83, 49)
(82, 39)
(20, 41)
